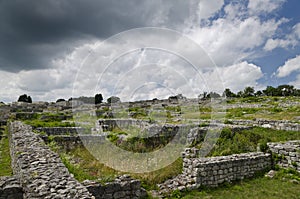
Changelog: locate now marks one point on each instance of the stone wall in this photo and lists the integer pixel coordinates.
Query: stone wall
(110, 124)
(39, 170)
(61, 130)
(69, 142)
(198, 134)
(286, 155)
(10, 188)
(274, 124)
(123, 187)
(41, 173)
(215, 170)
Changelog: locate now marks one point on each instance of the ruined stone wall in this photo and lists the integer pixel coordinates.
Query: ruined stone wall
(41, 173)
(215, 170)
(123, 187)
(286, 155)
(198, 134)
(274, 124)
(110, 124)
(39, 170)
(61, 130)
(10, 188)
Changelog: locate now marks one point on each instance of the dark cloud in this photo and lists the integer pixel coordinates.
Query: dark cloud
(33, 32)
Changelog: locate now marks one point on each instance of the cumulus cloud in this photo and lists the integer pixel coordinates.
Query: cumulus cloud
(264, 6)
(32, 33)
(290, 40)
(238, 76)
(208, 8)
(57, 42)
(291, 65)
(228, 41)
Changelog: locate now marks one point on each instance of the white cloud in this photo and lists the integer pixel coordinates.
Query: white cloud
(263, 6)
(290, 40)
(238, 76)
(291, 65)
(296, 83)
(208, 8)
(228, 41)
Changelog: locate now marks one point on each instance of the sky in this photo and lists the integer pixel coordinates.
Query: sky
(54, 49)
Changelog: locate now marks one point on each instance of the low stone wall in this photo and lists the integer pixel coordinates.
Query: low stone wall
(215, 170)
(39, 170)
(69, 142)
(198, 134)
(286, 154)
(61, 130)
(123, 187)
(274, 124)
(110, 124)
(10, 188)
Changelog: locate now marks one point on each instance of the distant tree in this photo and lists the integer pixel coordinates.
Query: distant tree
(98, 98)
(270, 91)
(25, 98)
(286, 90)
(227, 93)
(213, 95)
(258, 93)
(113, 99)
(60, 100)
(248, 92)
(240, 94)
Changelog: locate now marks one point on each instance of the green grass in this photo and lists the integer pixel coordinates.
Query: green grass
(39, 123)
(285, 185)
(248, 140)
(5, 160)
(83, 166)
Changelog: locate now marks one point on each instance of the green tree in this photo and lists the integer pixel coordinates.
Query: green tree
(248, 92)
(25, 98)
(227, 92)
(270, 91)
(60, 100)
(98, 98)
(113, 99)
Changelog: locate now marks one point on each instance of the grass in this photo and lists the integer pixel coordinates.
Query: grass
(248, 140)
(5, 160)
(84, 166)
(285, 185)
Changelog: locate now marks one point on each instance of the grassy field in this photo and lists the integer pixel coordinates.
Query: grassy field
(5, 161)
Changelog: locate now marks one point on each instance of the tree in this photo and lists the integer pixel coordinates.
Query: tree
(98, 98)
(270, 91)
(213, 95)
(258, 93)
(227, 93)
(113, 99)
(60, 100)
(25, 98)
(285, 90)
(248, 92)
